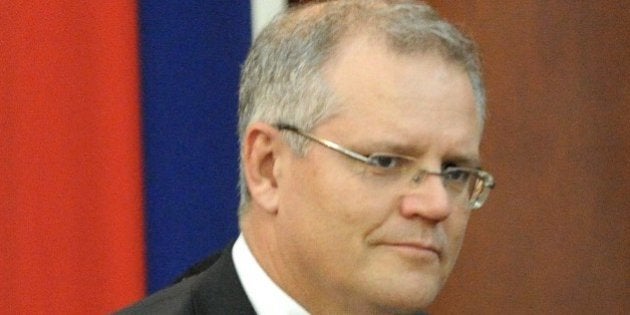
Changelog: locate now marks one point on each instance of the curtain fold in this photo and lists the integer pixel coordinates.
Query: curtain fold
(71, 221)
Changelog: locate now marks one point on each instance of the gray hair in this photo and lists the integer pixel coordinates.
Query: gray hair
(281, 80)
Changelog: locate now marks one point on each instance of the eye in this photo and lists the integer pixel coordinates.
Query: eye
(386, 161)
(456, 174)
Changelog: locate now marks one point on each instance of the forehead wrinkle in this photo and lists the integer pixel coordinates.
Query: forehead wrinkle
(380, 131)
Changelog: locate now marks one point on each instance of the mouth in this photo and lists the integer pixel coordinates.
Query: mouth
(416, 249)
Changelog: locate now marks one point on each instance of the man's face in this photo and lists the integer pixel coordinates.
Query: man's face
(359, 243)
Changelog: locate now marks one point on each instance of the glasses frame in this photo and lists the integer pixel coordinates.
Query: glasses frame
(482, 186)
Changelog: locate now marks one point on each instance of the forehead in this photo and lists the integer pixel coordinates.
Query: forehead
(419, 96)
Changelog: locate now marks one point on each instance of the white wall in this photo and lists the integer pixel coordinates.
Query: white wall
(263, 11)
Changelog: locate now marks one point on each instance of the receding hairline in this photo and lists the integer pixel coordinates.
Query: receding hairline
(361, 27)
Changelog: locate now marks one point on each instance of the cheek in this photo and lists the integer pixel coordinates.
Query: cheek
(351, 206)
(308, 199)
(455, 230)
(332, 202)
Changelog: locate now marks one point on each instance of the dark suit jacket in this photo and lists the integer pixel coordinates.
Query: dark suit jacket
(215, 290)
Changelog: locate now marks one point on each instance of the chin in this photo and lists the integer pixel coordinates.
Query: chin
(415, 303)
(408, 297)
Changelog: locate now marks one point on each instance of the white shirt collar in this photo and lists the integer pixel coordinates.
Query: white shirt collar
(264, 294)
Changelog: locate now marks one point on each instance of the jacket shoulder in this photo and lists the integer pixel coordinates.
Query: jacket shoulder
(175, 299)
(210, 288)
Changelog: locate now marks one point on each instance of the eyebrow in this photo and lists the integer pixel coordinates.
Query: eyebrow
(415, 151)
(472, 161)
(384, 146)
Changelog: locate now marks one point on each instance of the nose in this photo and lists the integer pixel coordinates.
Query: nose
(428, 199)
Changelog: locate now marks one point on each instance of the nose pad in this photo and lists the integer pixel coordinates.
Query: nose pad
(421, 174)
(417, 178)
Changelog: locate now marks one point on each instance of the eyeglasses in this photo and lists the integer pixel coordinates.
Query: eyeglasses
(470, 186)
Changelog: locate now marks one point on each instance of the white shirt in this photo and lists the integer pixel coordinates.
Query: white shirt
(264, 294)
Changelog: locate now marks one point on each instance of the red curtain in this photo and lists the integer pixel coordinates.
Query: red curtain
(71, 237)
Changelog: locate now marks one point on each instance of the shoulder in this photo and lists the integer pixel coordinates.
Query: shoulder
(212, 289)
(175, 299)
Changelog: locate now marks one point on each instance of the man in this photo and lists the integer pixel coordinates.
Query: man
(360, 125)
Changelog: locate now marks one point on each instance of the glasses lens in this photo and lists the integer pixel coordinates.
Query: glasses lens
(481, 189)
(458, 180)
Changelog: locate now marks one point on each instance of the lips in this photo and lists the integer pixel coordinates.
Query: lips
(413, 242)
(419, 246)
(415, 247)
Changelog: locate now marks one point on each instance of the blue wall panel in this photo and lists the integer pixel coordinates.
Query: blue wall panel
(191, 52)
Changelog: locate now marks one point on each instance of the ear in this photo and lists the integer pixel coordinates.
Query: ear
(261, 165)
